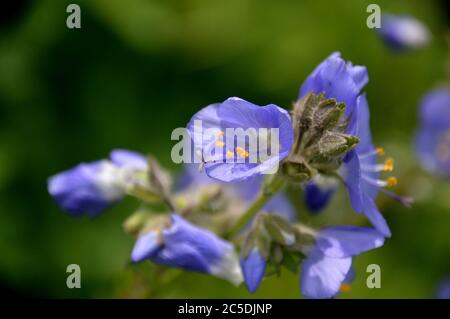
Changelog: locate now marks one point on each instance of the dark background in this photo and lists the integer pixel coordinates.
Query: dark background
(138, 69)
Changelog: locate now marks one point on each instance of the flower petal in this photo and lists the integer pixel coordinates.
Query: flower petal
(87, 188)
(145, 247)
(322, 276)
(347, 241)
(373, 214)
(128, 159)
(253, 267)
(337, 79)
(317, 198)
(352, 174)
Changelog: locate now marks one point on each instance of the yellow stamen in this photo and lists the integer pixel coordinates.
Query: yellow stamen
(391, 181)
(220, 134)
(230, 154)
(380, 151)
(389, 165)
(220, 143)
(345, 288)
(241, 152)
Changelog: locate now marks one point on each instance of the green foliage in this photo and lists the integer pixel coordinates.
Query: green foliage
(136, 71)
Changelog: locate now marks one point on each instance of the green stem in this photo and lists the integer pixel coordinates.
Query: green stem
(268, 192)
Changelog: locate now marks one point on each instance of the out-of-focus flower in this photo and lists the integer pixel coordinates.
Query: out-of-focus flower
(443, 290)
(403, 33)
(318, 192)
(89, 188)
(433, 137)
(329, 260)
(189, 247)
(343, 82)
(232, 162)
(361, 173)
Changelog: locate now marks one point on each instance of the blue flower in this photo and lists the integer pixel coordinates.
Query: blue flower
(361, 173)
(90, 188)
(186, 246)
(433, 137)
(342, 81)
(128, 159)
(329, 260)
(403, 33)
(227, 160)
(253, 268)
(254, 264)
(443, 291)
(338, 79)
(318, 193)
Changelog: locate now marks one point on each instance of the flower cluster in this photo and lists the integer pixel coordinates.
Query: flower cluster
(230, 216)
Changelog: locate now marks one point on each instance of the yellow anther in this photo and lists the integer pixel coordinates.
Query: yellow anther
(220, 144)
(241, 152)
(389, 165)
(220, 134)
(345, 288)
(391, 181)
(380, 151)
(230, 154)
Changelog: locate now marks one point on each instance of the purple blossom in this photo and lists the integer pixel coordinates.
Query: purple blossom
(253, 268)
(90, 188)
(433, 137)
(404, 32)
(361, 172)
(338, 79)
(328, 262)
(189, 247)
(227, 161)
(342, 81)
(443, 290)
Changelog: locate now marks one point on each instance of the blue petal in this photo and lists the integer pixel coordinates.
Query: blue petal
(435, 109)
(337, 79)
(192, 248)
(403, 32)
(347, 241)
(207, 119)
(322, 276)
(443, 291)
(253, 268)
(363, 126)
(352, 175)
(86, 188)
(238, 113)
(317, 198)
(427, 143)
(205, 247)
(145, 247)
(350, 277)
(280, 205)
(373, 214)
(128, 159)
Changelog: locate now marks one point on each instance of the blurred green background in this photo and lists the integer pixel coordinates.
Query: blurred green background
(137, 69)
